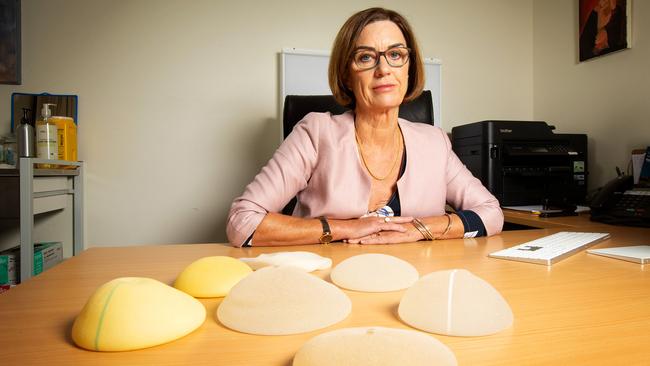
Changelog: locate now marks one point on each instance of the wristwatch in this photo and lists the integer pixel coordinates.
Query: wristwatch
(326, 238)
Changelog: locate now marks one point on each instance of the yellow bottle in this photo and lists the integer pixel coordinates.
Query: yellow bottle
(46, 137)
(67, 139)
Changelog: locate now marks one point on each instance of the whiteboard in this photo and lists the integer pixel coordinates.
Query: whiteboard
(304, 72)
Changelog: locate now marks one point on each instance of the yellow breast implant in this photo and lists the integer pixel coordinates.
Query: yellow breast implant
(212, 276)
(131, 313)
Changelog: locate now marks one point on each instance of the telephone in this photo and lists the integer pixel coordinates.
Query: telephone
(618, 203)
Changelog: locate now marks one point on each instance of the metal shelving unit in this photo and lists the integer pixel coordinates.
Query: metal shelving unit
(28, 172)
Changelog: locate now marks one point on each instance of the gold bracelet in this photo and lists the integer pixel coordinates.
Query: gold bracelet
(418, 225)
(448, 228)
(423, 229)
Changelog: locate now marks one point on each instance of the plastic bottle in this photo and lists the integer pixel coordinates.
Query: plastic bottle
(11, 156)
(25, 136)
(67, 139)
(46, 137)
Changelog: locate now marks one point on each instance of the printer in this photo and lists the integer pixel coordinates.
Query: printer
(524, 163)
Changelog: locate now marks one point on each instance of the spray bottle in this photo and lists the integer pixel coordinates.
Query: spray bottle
(25, 134)
(46, 137)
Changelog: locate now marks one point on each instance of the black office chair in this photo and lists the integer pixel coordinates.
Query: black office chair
(296, 107)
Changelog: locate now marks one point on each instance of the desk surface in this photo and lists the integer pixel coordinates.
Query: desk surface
(586, 309)
(558, 222)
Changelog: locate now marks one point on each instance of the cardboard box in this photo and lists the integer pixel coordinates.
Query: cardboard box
(8, 270)
(46, 256)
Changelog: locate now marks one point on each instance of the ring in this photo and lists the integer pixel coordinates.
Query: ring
(386, 219)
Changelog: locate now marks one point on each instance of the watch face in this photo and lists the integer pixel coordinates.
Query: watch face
(326, 238)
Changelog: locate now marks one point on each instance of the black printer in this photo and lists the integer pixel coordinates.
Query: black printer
(524, 163)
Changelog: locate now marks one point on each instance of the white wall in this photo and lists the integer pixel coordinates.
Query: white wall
(178, 100)
(607, 98)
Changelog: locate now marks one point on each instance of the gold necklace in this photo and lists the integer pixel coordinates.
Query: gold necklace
(363, 159)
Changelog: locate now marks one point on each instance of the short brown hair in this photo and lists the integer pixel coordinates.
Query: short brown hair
(343, 48)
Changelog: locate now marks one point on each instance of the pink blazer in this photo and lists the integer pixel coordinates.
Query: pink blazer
(320, 164)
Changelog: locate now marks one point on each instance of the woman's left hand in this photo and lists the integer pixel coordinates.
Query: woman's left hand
(390, 237)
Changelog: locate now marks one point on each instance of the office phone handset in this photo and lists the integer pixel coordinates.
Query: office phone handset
(618, 203)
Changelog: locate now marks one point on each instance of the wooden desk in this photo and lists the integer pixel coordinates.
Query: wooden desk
(561, 222)
(586, 309)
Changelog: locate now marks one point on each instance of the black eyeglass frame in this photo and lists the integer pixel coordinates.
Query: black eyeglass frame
(379, 54)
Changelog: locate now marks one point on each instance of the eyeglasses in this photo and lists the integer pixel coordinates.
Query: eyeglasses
(368, 58)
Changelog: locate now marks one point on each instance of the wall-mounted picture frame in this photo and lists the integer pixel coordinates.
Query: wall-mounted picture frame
(10, 42)
(604, 27)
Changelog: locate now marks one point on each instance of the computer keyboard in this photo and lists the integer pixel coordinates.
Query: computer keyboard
(550, 249)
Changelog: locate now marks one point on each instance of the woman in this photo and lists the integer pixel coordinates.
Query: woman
(365, 176)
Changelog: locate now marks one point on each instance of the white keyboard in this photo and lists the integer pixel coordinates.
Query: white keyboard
(550, 249)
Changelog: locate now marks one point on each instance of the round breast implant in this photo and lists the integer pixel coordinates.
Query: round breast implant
(282, 300)
(307, 261)
(455, 303)
(211, 276)
(374, 273)
(374, 346)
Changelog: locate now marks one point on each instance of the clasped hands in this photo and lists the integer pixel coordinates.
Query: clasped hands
(383, 230)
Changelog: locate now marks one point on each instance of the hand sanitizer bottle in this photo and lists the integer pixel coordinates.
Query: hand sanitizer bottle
(46, 137)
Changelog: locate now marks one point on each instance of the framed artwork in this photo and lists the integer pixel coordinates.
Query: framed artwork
(605, 27)
(9, 41)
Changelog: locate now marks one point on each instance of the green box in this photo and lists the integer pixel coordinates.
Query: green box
(46, 256)
(8, 269)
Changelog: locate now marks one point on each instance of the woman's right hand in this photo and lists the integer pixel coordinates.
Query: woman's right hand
(359, 228)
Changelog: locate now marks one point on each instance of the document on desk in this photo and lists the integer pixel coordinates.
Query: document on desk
(637, 254)
(538, 209)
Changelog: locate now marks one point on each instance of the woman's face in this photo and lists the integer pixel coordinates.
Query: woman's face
(382, 87)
